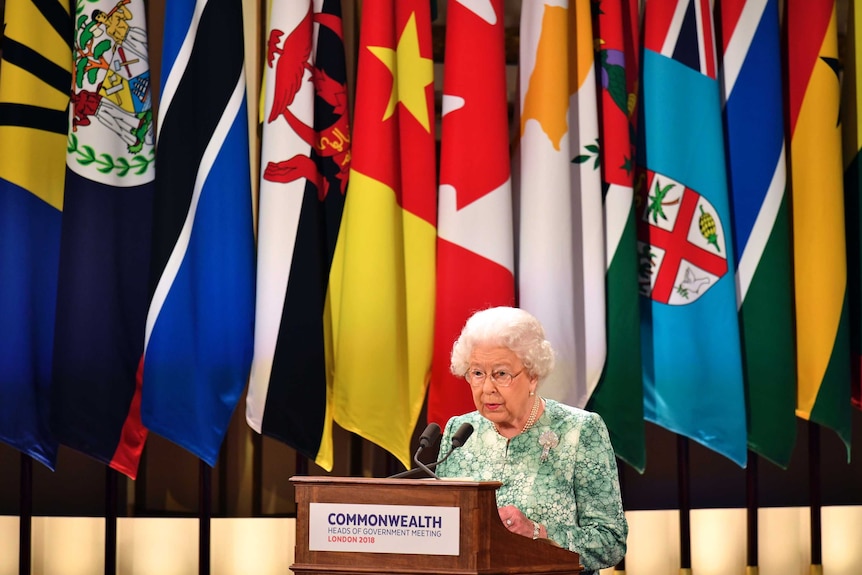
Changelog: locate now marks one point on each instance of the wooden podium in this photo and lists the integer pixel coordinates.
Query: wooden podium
(485, 546)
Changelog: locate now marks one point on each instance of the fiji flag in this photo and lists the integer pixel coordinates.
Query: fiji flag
(690, 335)
(200, 323)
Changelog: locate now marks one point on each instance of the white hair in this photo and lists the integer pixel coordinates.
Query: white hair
(508, 327)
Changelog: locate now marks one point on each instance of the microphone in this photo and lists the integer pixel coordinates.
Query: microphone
(428, 437)
(459, 438)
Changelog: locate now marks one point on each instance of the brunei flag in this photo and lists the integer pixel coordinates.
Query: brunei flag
(689, 327)
(618, 398)
(475, 250)
(105, 251)
(200, 322)
(561, 257)
(35, 77)
(851, 107)
(381, 285)
(306, 159)
(754, 124)
(819, 250)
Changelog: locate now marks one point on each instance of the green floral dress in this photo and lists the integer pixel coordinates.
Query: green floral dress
(574, 491)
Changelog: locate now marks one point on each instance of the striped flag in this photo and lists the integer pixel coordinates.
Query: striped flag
(754, 123)
(381, 285)
(851, 107)
(306, 158)
(475, 250)
(618, 398)
(105, 250)
(819, 256)
(693, 382)
(34, 97)
(199, 332)
(561, 258)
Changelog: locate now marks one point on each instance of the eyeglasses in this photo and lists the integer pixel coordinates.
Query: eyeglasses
(500, 377)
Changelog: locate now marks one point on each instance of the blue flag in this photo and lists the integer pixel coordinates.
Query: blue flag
(200, 323)
(690, 334)
(105, 250)
(754, 120)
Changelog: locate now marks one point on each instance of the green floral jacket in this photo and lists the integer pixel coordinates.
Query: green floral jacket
(573, 490)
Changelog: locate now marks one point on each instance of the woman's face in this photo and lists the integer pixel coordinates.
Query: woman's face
(507, 407)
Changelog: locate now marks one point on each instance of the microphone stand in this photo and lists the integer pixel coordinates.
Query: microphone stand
(458, 440)
(422, 466)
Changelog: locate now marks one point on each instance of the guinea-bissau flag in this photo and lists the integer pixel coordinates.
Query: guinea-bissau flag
(200, 321)
(105, 250)
(381, 285)
(757, 178)
(475, 258)
(618, 397)
(306, 158)
(851, 121)
(817, 192)
(34, 99)
(689, 327)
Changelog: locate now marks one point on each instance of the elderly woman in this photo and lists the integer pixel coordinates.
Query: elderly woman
(555, 462)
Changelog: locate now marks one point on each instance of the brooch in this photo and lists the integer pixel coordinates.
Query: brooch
(548, 440)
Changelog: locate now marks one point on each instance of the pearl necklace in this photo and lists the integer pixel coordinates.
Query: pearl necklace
(531, 420)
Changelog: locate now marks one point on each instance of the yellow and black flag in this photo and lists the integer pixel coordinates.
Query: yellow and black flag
(35, 80)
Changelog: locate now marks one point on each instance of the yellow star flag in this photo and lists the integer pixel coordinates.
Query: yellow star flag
(381, 285)
(820, 263)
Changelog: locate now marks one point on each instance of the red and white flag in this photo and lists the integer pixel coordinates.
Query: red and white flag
(475, 249)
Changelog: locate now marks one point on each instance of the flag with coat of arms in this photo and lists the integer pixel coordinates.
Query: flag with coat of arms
(105, 250)
(690, 334)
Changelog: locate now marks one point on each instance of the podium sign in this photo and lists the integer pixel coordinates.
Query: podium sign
(383, 528)
(412, 527)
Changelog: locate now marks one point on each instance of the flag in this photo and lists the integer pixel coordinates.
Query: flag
(561, 255)
(381, 284)
(306, 158)
(754, 123)
(618, 398)
(693, 382)
(475, 249)
(200, 323)
(819, 256)
(34, 98)
(105, 247)
(851, 107)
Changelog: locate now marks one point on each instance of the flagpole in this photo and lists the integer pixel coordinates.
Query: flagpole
(620, 568)
(111, 480)
(684, 505)
(26, 515)
(814, 497)
(355, 455)
(256, 475)
(301, 464)
(141, 486)
(204, 516)
(751, 499)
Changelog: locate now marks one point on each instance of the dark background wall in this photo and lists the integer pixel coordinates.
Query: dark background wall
(168, 480)
(252, 476)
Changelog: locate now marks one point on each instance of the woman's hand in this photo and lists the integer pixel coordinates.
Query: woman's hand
(515, 521)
